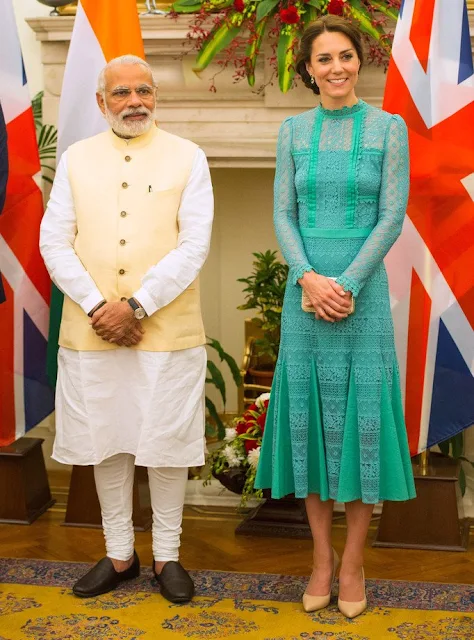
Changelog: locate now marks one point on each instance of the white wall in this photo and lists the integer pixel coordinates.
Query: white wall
(29, 45)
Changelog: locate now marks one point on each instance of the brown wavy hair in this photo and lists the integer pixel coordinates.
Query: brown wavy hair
(326, 23)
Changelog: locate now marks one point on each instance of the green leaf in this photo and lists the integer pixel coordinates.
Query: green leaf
(217, 379)
(37, 105)
(462, 481)
(226, 357)
(311, 13)
(211, 407)
(219, 38)
(253, 48)
(364, 19)
(264, 7)
(47, 141)
(464, 459)
(390, 12)
(186, 6)
(285, 56)
(315, 3)
(444, 447)
(458, 445)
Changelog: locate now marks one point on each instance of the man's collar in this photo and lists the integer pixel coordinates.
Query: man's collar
(134, 143)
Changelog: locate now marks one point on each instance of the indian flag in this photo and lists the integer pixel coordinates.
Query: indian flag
(102, 31)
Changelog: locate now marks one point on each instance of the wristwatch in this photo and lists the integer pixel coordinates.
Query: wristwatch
(138, 311)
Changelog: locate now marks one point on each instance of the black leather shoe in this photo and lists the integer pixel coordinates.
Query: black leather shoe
(175, 582)
(103, 578)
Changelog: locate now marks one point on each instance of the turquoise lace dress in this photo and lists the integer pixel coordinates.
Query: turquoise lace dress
(335, 422)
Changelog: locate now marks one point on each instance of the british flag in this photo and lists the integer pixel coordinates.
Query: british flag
(430, 84)
(25, 397)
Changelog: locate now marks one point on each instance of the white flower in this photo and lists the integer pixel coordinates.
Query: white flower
(232, 456)
(253, 457)
(261, 399)
(230, 434)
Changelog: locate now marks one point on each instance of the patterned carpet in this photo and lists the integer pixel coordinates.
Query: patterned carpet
(36, 604)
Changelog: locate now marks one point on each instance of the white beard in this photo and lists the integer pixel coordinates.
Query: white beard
(126, 129)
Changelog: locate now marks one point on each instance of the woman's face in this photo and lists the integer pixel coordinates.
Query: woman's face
(334, 64)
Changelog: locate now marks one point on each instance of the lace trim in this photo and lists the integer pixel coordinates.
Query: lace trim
(299, 273)
(352, 177)
(349, 285)
(344, 112)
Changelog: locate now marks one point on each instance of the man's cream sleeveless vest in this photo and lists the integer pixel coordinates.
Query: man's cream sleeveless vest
(127, 196)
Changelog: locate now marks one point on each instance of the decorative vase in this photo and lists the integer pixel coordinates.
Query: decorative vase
(55, 4)
(262, 376)
(233, 479)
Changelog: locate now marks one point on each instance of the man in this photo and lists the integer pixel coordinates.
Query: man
(3, 177)
(125, 234)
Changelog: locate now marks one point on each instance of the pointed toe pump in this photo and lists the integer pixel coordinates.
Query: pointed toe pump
(314, 603)
(353, 609)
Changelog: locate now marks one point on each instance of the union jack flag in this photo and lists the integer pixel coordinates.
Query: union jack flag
(430, 84)
(25, 397)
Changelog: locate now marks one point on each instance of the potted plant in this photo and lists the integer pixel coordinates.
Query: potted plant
(265, 289)
(235, 462)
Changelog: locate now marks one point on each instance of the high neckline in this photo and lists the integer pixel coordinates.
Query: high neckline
(137, 143)
(344, 112)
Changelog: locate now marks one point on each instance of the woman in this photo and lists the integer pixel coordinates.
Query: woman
(335, 428)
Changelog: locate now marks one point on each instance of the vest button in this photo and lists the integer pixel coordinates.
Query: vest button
(121, 271)
(123, 299)
(122, 242)
(127, 158)
(124, 185)
(123, 214)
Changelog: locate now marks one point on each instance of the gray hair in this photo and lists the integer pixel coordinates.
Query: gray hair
(127, 59)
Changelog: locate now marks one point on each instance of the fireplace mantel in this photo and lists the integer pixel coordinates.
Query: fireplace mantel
(237, 126)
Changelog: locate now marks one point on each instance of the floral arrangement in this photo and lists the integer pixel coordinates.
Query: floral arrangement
(237, 28)
(235, 462)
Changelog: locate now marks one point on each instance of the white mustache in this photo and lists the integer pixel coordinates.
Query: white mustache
(135, 112)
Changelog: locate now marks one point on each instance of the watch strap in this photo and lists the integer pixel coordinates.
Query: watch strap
(96, 308)
(133, 303)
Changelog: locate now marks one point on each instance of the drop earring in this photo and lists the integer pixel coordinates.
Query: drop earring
(312, 79)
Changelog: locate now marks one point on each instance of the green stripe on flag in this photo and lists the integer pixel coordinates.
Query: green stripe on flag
(55, 313)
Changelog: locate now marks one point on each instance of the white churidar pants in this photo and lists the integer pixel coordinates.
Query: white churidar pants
(114, 482)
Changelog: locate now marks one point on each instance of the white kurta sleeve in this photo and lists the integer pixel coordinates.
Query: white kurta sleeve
(57, 233)
(181, 266)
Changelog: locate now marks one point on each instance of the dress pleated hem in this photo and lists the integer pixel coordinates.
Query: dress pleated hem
(280, 471)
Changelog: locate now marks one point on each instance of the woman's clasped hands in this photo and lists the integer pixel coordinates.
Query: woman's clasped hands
(330, 301)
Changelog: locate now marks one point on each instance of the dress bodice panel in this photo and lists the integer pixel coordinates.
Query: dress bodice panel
(341, 174)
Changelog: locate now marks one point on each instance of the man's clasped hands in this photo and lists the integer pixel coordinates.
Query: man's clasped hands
(115, 322)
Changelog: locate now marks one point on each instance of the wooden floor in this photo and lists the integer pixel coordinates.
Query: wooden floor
(209, 542)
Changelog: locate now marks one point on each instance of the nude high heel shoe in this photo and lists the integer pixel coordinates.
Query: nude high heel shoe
(353, 609)
(314, 603)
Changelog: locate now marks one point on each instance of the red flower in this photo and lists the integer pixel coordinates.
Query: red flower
(253, 407)
(239, 5)
(249, 445)
(290, 15)
(336, 7)
(241, 427)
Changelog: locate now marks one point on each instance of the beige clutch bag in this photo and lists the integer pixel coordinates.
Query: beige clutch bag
(308, 307)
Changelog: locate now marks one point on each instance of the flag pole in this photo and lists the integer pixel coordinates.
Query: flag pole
(424, 462)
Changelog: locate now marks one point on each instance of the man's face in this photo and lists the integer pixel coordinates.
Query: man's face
(128, 101)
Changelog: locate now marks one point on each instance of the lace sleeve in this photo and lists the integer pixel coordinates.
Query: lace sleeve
(285, 212)
(392, 207)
